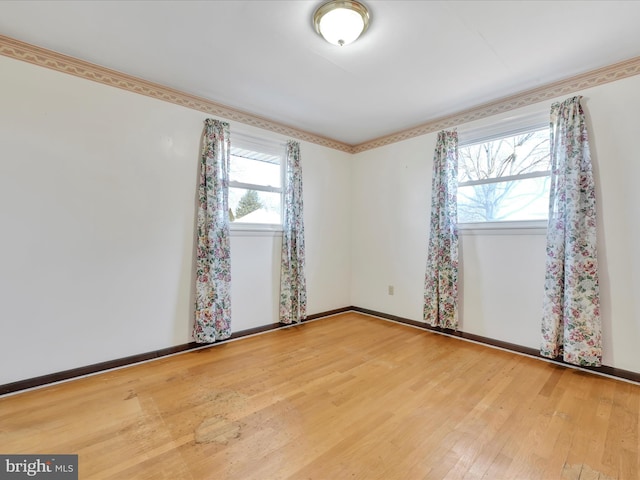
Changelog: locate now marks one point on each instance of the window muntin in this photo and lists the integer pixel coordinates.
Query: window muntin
(504, 179)
(256, 178)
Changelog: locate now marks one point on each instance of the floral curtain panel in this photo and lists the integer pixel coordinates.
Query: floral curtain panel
(293, 285)
(213, 260)
(571, 309)
(441, 279)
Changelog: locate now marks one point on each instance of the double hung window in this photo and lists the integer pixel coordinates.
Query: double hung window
(504, 178)
(256, 179)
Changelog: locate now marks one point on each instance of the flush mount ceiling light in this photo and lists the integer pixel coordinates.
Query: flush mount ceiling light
(341, 22)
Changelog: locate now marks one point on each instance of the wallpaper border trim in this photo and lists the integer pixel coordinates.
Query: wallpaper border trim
(614, 72)
(43, 57)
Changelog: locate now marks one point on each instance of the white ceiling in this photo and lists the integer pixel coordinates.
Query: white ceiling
(419, 60)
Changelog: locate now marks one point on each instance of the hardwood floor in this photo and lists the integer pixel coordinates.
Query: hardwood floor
(346, 397)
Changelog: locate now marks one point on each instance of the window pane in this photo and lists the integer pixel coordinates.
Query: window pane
(504, 201)
(504, 157)
(251, 206)
(259, 172)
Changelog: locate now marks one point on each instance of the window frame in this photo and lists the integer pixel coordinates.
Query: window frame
(507, 127)
(270, 147)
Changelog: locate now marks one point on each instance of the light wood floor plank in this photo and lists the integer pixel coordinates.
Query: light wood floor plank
(346, 397)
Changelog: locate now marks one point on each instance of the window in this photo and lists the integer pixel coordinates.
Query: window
(504, 178)
(256, 178)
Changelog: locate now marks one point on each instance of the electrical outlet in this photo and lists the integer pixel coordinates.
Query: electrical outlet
(391, 289)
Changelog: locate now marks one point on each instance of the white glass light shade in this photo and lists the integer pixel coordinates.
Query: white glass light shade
(341, 22)
(341, 26)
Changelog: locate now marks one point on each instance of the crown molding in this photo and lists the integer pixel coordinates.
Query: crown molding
(571, 85)
(26, 52)
(42, 57)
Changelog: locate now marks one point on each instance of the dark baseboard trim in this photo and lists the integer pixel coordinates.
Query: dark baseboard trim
(133, 359)
(328, 313)
(604, 369)
(142, 357)
(94, 368)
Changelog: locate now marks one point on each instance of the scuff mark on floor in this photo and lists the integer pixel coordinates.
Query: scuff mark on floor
(582, 471)
(217, 429)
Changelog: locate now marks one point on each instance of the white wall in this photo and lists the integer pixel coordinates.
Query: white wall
(327, 212)
(97, 209)
(390, 223)
(502, 275)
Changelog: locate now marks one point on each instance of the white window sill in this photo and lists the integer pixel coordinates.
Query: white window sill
(533, 227)
(254, 230)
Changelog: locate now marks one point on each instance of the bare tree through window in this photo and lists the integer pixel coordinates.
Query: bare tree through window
(504, 179)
